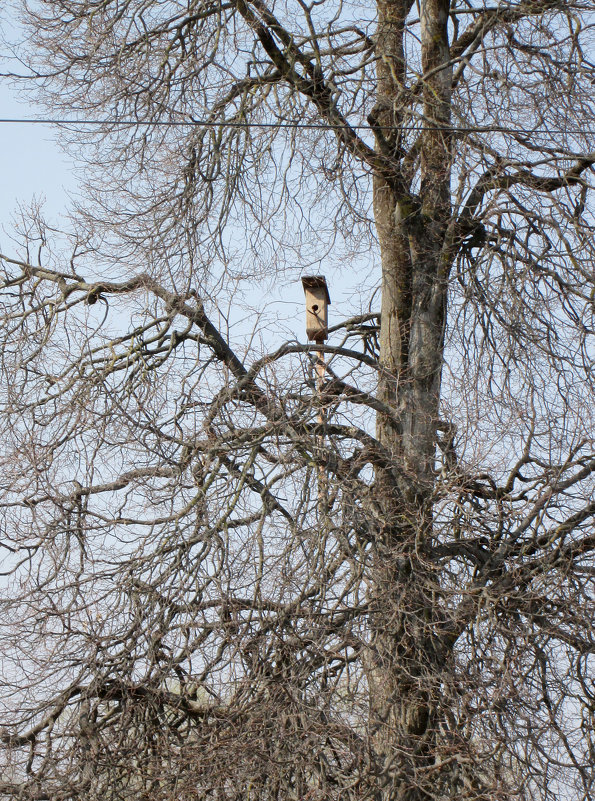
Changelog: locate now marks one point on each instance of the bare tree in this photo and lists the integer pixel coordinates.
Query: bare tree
(209, 593)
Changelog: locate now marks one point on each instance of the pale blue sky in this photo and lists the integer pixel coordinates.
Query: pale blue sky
(31, 162)
(34, 167)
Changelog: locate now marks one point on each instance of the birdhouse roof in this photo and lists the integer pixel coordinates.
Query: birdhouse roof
(316, 282)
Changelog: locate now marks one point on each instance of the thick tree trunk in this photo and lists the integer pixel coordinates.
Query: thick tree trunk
(407, 656)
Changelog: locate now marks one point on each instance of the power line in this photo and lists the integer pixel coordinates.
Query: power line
(462, 129)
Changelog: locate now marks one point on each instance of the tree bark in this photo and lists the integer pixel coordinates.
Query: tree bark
(407, 653)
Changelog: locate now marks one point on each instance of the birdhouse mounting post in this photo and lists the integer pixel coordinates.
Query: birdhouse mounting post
(317, 302)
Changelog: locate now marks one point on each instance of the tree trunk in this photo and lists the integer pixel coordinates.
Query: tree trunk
(407, 652)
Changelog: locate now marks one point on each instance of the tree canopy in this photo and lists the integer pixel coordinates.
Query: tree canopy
(241, 568)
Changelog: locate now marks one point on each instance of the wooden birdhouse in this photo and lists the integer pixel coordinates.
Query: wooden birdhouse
(317, 303)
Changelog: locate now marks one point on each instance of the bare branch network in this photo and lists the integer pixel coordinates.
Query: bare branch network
(238, 567)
